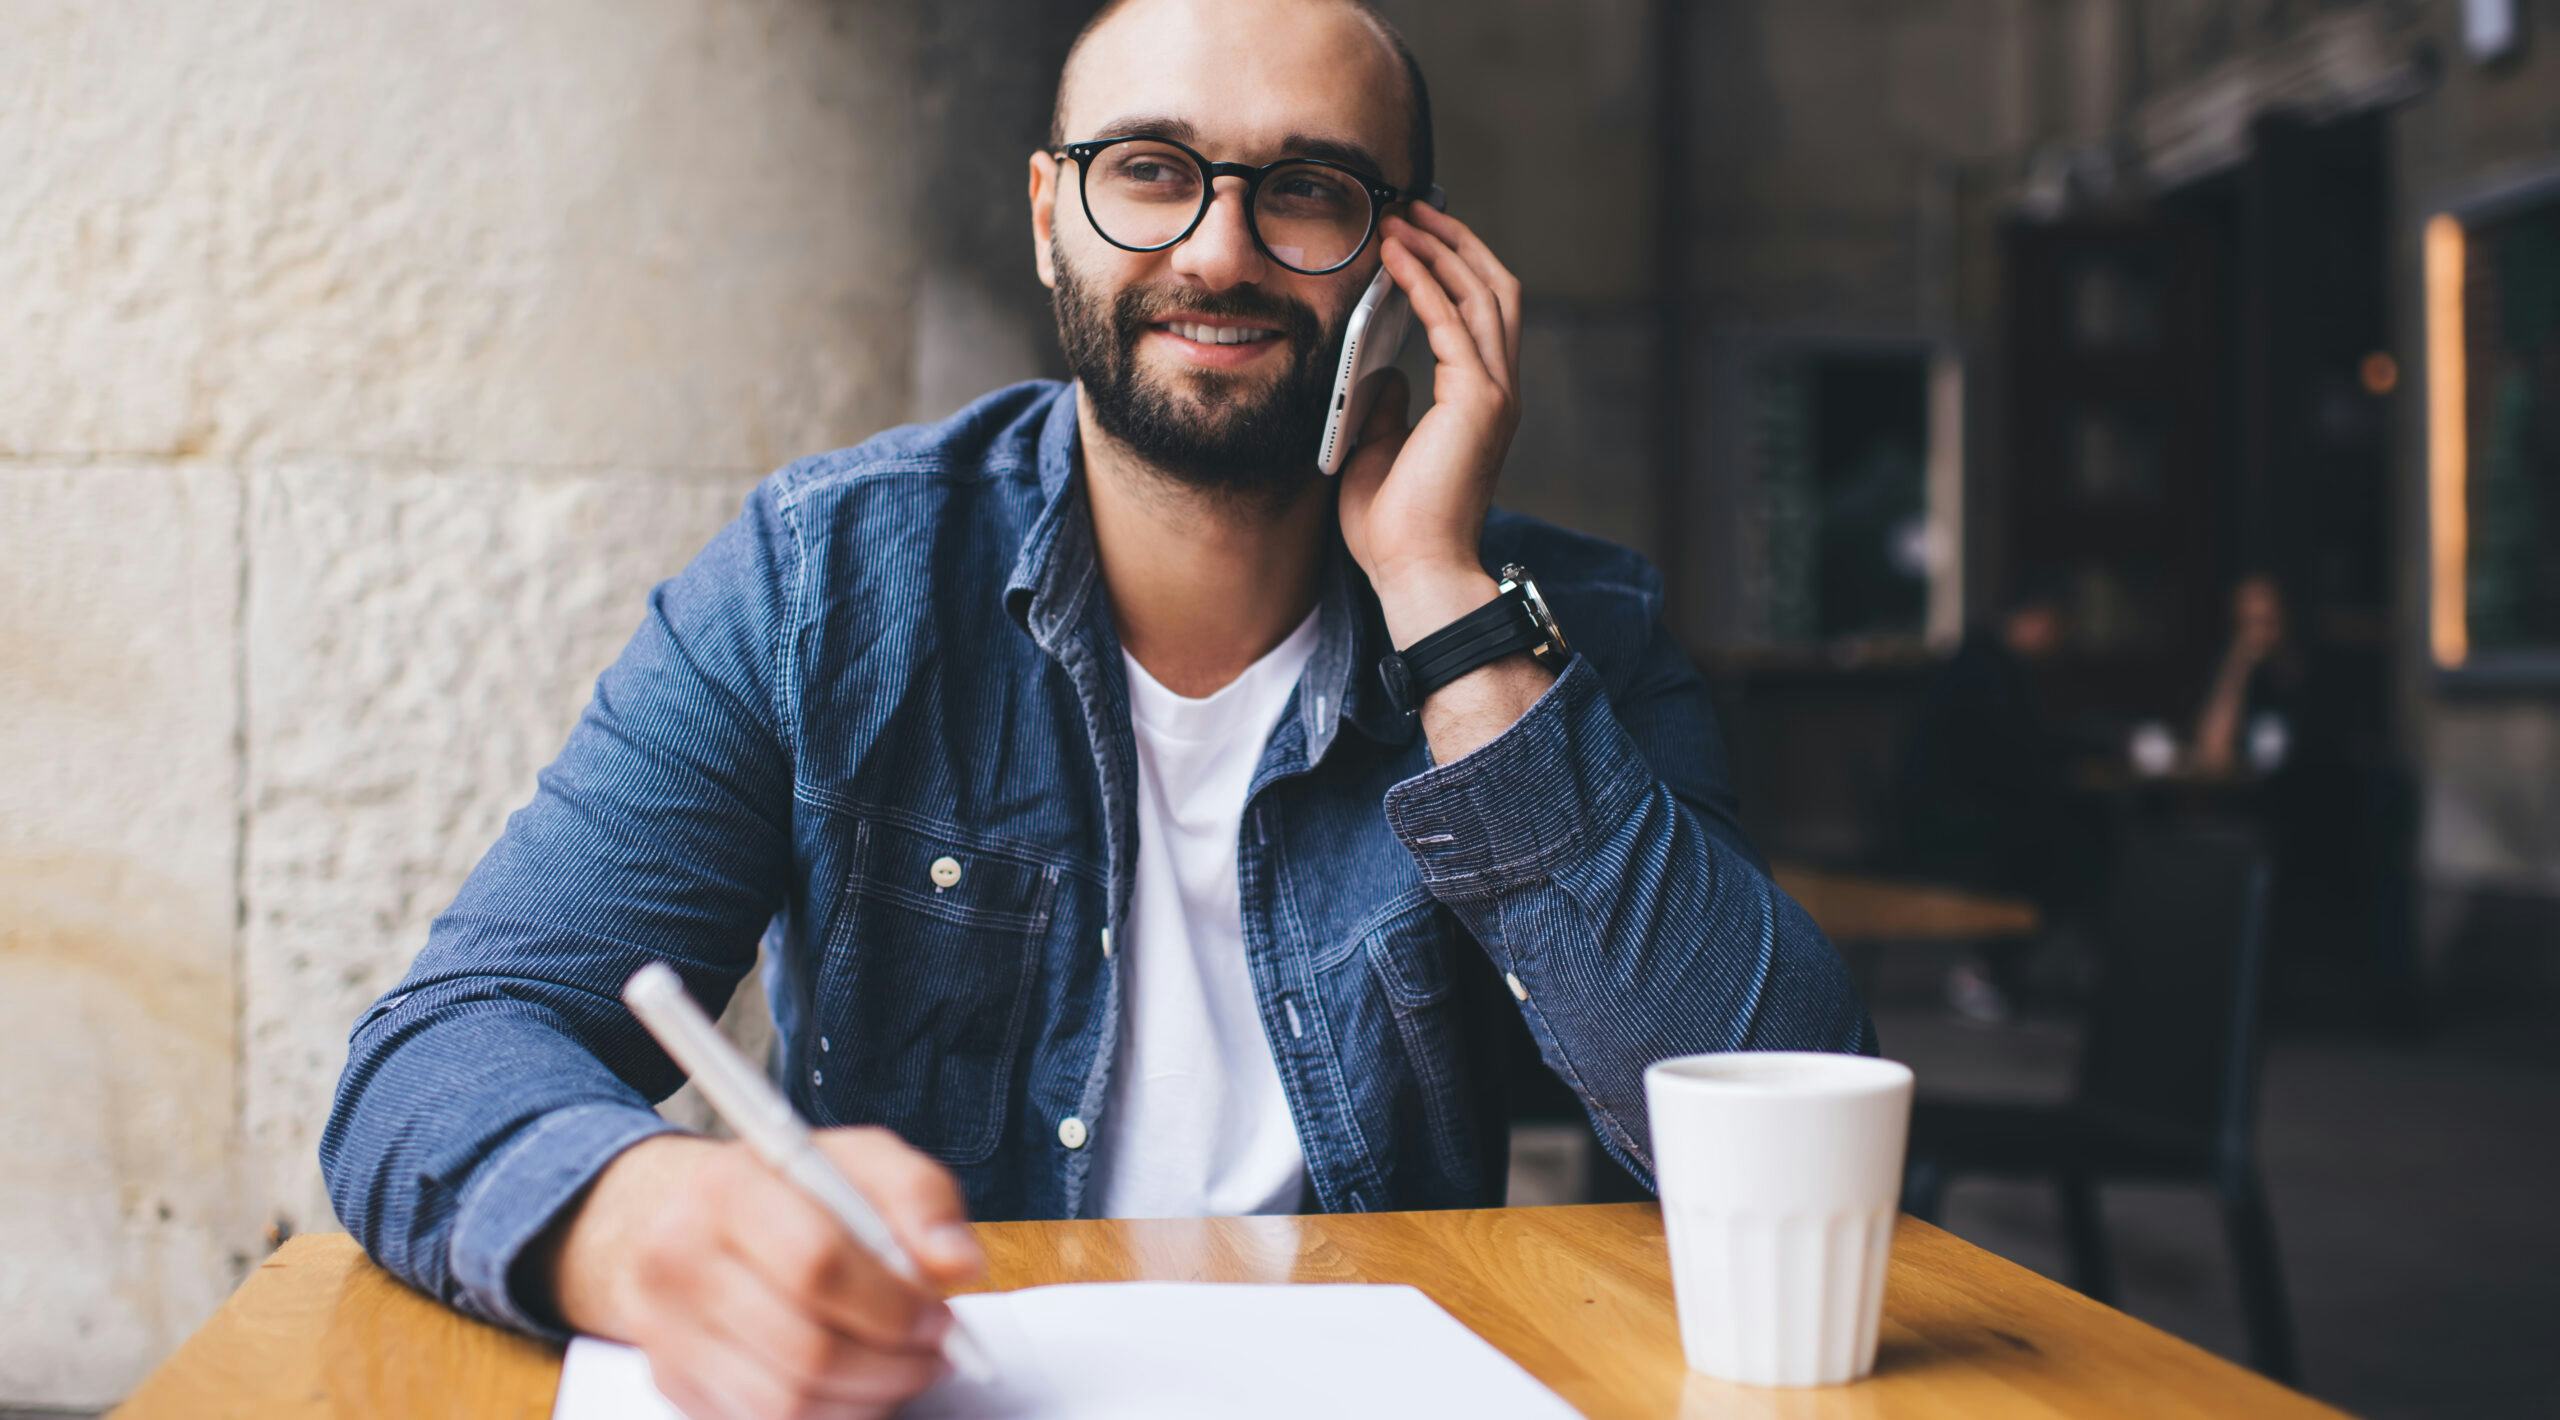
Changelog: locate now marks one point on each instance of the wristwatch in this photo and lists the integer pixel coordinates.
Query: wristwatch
(1516, 619)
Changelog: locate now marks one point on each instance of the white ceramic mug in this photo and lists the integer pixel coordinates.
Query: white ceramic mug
(1781, 1176)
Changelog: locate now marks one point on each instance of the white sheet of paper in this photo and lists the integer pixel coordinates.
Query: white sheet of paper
(1175, 1350)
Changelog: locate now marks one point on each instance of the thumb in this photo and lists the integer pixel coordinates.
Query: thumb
(918, 1198)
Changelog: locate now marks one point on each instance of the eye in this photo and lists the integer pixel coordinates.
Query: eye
(1147, 172)
(1313, 193)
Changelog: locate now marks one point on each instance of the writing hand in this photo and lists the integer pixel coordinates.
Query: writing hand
(747, 1296)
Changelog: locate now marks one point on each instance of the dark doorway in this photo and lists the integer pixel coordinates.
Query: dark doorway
(2320, 374)
(2120, 440)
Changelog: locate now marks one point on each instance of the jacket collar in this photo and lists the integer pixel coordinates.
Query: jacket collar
(1056, 585)
(1354, 630)
(1054, 571)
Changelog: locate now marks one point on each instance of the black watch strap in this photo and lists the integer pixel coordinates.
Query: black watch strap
(1484, 635)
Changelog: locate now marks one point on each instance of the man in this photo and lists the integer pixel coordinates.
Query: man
(1051, 741)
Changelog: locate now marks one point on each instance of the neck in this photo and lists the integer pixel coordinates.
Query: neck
(1202, 585)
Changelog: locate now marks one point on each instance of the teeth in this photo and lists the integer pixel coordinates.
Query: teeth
(1217, 334)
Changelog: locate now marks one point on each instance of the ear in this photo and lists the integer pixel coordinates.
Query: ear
(1044, 211)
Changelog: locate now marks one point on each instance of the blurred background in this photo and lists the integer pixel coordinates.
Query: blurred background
(2066, 427)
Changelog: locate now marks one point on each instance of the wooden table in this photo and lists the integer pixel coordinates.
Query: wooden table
(1580, 1296)
(1856, 909)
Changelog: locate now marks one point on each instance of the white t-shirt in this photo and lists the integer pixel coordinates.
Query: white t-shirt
(1196, 1123)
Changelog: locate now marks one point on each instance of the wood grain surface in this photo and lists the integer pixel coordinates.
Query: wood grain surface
(1580, 1296)
(319, 1330)
(1857, 909)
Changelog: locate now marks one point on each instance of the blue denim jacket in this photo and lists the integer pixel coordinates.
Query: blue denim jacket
(900, 653)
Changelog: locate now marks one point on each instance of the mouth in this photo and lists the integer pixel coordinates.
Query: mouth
(1219, 342)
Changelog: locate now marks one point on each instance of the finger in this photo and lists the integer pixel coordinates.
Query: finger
(707, 1378)
(804, 1253)
(1474, 298)
(1506, 287)
(808, 1359)
(1452, 344)
(730, 1384)
(919, 1199)
(688, 1396)
(1468, 280)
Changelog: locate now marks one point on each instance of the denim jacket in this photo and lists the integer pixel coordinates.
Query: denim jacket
(880, 727)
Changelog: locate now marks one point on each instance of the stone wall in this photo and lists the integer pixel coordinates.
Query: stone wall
(120, 1203)
(367, 363)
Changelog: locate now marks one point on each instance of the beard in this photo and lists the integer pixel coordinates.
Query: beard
(1239, 434)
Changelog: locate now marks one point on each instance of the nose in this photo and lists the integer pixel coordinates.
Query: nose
(1220, 252)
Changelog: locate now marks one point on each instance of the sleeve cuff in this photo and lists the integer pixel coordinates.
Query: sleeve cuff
(1541, 794)
(517, 1192)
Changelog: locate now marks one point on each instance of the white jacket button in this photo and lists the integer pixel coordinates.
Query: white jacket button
(1071, 1132)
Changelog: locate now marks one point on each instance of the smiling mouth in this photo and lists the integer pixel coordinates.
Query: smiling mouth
(1219, 334)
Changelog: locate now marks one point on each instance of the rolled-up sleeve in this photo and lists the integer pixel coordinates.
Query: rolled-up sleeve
(1592, 849)
(484, 1093)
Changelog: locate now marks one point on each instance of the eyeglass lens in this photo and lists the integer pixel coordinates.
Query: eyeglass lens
(1311, 218)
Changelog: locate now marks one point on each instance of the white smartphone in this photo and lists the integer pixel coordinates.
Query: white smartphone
(1370, 345)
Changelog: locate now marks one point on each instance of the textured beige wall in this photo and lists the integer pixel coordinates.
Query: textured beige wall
(119, 775)
(366, 364)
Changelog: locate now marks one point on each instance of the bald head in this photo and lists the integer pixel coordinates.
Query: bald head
(1252, 45)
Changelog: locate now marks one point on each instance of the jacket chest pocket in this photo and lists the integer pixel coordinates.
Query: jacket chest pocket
(1409, 956)
(927, 979)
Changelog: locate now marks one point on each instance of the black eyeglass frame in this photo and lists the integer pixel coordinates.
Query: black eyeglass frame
(1381, 194)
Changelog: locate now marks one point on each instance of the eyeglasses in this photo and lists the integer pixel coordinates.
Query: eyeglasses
(1310, 215)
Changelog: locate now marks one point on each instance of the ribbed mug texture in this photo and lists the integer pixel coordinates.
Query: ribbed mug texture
(1781, 1301)
(1781, 1175)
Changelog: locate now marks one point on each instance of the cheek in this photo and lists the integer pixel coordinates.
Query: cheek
(1103, 269)
(1086, 248)
(1333, 297)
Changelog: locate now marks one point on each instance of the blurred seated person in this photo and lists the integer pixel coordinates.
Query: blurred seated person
(2257, 691)
(2302, 716)
(1980, 790)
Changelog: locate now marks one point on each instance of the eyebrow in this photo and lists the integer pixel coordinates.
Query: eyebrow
(1296, 145)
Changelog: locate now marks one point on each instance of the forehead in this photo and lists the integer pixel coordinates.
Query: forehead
(1246, 75)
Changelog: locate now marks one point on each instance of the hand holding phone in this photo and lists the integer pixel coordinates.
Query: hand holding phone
(1370, 345)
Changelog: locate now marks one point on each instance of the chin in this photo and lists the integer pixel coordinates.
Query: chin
(1217, 390)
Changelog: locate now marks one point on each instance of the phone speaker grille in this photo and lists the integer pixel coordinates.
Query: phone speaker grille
(1337, 418)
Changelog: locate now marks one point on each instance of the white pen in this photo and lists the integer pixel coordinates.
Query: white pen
(768, 1124)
